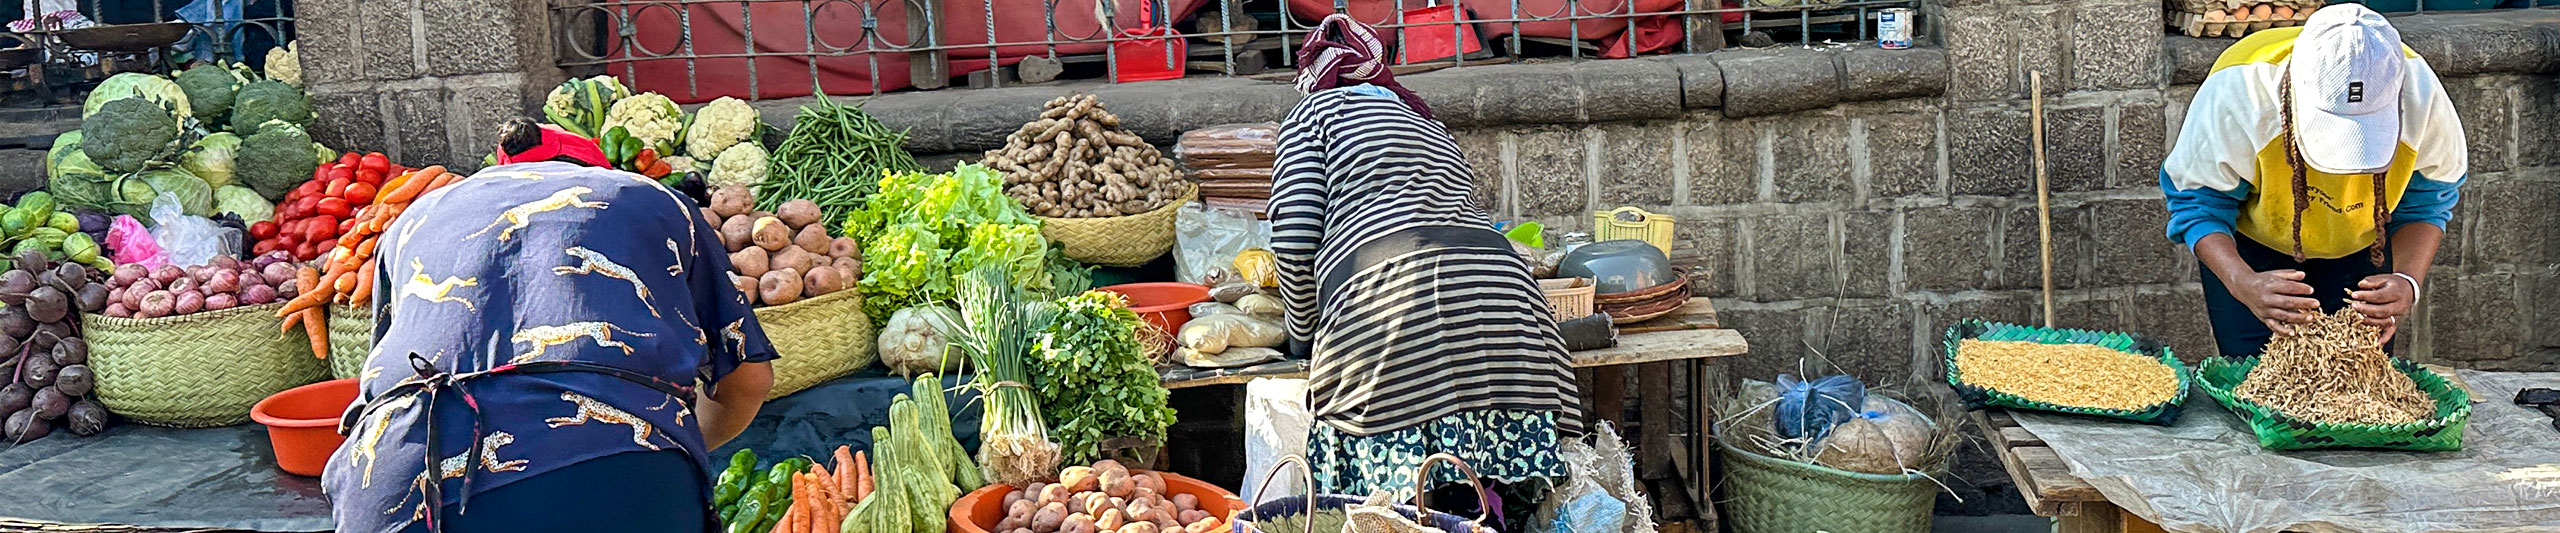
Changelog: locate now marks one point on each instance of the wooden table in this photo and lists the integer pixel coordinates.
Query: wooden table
(2047, 483)
(1691, 337)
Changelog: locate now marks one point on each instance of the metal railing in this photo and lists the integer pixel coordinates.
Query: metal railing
(694, 50)
(236, 30)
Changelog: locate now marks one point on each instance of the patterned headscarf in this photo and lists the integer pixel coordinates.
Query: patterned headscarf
(1354, 57)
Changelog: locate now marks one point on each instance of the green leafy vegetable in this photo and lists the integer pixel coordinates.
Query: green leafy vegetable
(923, 230)
(265, 101)
(275, 159)
(210, 90)
(126, 134)
(157, 89)
(836, 156)
(1095, 378)
(194, 197)
(211, 158)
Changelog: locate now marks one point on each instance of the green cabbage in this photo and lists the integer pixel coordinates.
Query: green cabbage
(63, 147)
(242, 201)
(211, 157)
(194, 196)
(72, 177)
(268, 100)
(157, 89)
(209, 89)
(127, 134)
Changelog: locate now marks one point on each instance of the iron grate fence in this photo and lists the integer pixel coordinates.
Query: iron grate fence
(235, 30)
(697, 50)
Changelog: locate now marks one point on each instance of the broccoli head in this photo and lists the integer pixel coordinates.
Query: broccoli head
(209, 89)
(128, 133)
(274, 160)
(268, 100)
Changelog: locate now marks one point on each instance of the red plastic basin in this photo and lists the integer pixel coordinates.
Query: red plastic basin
(1165, 304)
(302, 422)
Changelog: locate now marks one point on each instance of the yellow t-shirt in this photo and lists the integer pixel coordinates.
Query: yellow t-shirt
(2230, 144)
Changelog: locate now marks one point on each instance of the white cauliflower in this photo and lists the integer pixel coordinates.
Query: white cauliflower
(719, 125)
(284, 63)
(682, 164)
(649, 117)
(741, 164)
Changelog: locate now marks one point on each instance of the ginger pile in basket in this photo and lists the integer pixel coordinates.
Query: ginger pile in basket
(2070, 375)
(1076, 162)
(2333, 370)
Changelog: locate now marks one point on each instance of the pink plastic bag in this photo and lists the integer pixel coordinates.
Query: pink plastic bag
(133, 244)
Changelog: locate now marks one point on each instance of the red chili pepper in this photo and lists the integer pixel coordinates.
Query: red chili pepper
(334, 207)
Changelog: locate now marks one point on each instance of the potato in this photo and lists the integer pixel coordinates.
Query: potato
(1111, 520)
(1139, 527)
(710, 216)
(1018, 504)
(1203, 525)
(1053, 493)
(779, 287)
(793, 258)
(1078, 523)
(1106, 465)
(1152, 482)
(1115, 480)
(1094, 503)
(814, 238)
(1191, 515)
(732, 200)
(771, 234)
(750, 262)
(852, 267)
(1166, 523)
(1080, 479)
(798, 212)
(1011, 523)
(821, 281)
(1049, 517)
(1186, 502)
(746, 286)
(1141, 511)
(737, 232)
(843, 247)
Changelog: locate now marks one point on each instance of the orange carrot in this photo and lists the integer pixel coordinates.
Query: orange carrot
(316, 326)
(364, 283)
(867, 483)
(309, 299)
(795, 517)
(843, 480)
(410, 186)
(441, 181)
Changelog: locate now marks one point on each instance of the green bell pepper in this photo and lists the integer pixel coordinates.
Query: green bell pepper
(748, 516)
(733, 481)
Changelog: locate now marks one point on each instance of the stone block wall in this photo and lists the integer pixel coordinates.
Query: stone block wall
(424, 81)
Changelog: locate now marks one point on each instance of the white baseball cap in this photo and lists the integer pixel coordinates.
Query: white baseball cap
(2346, 68)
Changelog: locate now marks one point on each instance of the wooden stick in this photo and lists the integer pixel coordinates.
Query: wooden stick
(2044, 196)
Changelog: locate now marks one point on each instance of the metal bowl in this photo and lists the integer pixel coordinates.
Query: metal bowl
(124, 37)
(1618, 266)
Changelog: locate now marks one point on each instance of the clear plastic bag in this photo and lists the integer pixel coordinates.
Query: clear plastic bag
(189, 240)
(1203, 309)
(1276, 422)
(1207, 239)
(1233, 357)
(1600, 494)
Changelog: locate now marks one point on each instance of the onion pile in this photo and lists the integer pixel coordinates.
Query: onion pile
(137, 292)
(47, 364)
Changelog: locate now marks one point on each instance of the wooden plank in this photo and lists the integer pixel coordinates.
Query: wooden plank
(1697, 313)
(2015, 436)
(1653, 403)
(1607, 388)
(1631, 350)
(2096, 519)
(2052, 478)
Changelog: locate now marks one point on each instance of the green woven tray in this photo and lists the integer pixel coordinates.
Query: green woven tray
(1976, 397)
(2276, 431)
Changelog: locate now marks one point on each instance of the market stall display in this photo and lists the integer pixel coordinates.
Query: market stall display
(1106, 497)
(998, 328)
(313, 214)
(50, 382)
(1103, 192)
(1098, 383)
(346, 278)
(923, 232)
(799, 278)
(748, 501)
(920, 469)
(135, 291)
(2116, 375)
(1232, 163)
(2330, 385)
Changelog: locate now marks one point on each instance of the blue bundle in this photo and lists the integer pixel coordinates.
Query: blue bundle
(1809, 409)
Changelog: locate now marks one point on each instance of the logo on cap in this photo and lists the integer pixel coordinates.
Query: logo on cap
(2355, 91)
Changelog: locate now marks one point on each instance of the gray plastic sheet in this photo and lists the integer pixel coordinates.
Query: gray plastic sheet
(226, 478)
(2207, 473)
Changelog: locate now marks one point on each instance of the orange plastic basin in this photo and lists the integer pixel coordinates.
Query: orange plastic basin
(302, 423)
(1165, 304)
(981, 510)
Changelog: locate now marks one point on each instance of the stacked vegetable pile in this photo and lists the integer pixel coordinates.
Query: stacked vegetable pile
(34, 226)
(835, 156)
(323, 208)
(1104, 498)
(137, 292)
(1076, 162)
(751, 503)
(214, 126)
(647, 134)
(998, 328)
(347, 277)
(923, 231)
(1095, 378)
(46, 362)
(784, 256)
(923, 468)
(823, 497)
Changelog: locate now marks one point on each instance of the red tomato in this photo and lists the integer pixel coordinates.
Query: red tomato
(322, 227)
(350, 158)
(374, 162)
(310, 187)
(263, 229)
(305, 251)
(290, 237)
(334, 207)
(336, 187)
(343, 173)
(262, 247)
(368, 176)
(307, 205)
(360, 193)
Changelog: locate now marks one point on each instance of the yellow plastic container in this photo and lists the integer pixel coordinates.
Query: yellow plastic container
(1633, 223)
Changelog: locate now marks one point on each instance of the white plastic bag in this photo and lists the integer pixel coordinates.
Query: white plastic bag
(189, 240)
(1600, 494)
(1207, 238)
(1276, 422)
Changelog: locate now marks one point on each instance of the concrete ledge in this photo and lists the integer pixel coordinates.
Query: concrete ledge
(1742, 82)
(2515, 41)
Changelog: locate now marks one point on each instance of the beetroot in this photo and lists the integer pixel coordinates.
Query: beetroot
(94, 297)
(50, 403)
(71, 351)
(24, 426)
(87, 417)
(75, 380)
(14, 286)
(16, 397)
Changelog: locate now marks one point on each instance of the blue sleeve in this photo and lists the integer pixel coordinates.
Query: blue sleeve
(2195, 213)
(2426, 201)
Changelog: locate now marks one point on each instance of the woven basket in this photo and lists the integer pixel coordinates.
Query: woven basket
(2166, 413)
(1122, 241)
(2276, 431)
(1771, 495)
(1569, 298)
(819, 339)
(199, 370)
(350, 339)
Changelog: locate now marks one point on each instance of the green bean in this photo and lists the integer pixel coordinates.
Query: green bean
(834, 157)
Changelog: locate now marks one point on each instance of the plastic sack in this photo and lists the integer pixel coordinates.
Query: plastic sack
(1276, 422)
(1212, 308)
(187, 239)
(1599, 494)
(1261, 305)
(133, 245)
(1216, 333)
(1231, 358)
(1807, 410)
(1232, 292)
(1259, 267)
(1207, 239)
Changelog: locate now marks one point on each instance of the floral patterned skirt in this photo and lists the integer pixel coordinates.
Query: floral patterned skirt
(1506, 446)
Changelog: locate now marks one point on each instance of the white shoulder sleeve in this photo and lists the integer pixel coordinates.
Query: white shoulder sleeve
(2430, 126)
(2226, 125)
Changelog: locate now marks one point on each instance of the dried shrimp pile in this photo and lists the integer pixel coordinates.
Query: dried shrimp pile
(2072, 375)
(2333, 370)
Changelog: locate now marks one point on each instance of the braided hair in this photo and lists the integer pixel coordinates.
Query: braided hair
(2301, 183)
